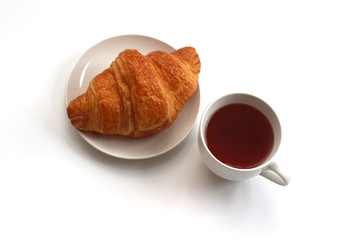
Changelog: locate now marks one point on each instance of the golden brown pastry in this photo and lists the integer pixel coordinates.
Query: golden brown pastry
(137, 95)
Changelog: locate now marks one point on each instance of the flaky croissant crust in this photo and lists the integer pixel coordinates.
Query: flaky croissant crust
(137, 95)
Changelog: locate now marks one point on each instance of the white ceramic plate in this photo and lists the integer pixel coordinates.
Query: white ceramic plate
(98, 58)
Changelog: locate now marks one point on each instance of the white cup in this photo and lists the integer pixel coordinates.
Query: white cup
(267, 168)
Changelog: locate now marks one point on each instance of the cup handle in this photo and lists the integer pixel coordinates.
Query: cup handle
(273, 173)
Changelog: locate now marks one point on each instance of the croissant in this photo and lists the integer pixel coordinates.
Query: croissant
(137, 95)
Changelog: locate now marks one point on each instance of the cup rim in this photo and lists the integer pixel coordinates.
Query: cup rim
(202, 135)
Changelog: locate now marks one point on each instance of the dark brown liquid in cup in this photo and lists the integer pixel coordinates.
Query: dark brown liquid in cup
(240, 136)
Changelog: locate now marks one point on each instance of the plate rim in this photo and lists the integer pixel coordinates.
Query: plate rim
(149, 156)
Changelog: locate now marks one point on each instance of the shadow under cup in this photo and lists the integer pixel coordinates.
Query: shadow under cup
(217, 166)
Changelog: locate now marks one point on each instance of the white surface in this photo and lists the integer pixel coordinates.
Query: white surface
(301, 57)
(94, 61)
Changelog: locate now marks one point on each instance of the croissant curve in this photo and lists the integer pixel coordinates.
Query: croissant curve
(137, 95)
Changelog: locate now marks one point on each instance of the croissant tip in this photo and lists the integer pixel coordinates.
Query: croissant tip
(189, 55)
(76, 112)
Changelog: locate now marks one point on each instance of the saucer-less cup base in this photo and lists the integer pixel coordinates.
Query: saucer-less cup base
(268, 168)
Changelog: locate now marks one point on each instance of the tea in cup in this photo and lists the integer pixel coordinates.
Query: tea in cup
(238, 136)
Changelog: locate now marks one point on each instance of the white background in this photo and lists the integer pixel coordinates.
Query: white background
(302, 57)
